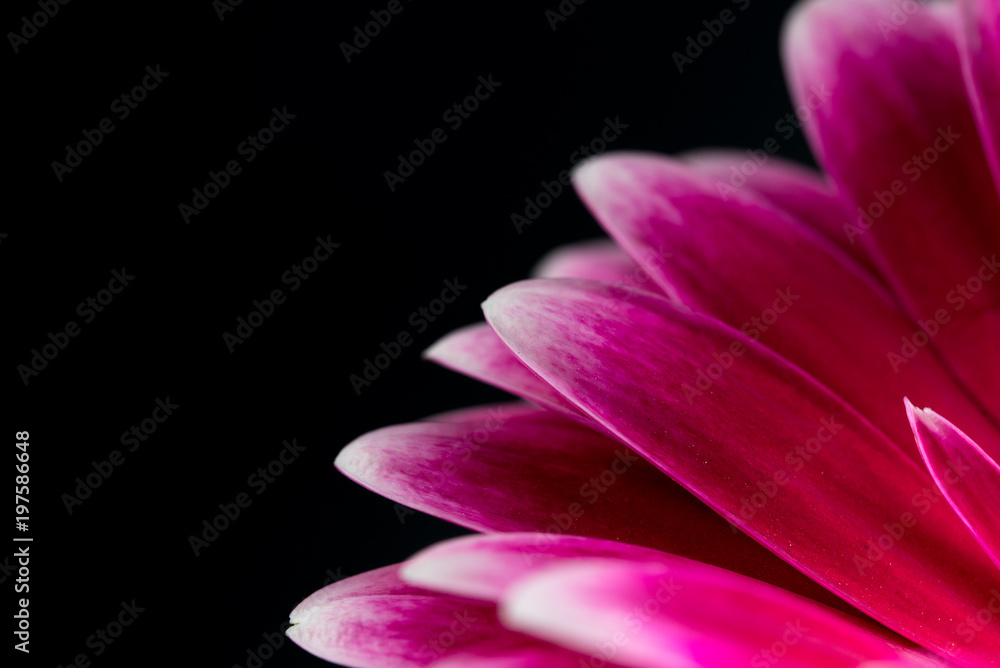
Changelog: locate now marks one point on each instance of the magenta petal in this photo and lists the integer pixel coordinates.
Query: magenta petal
(768, 448)
(538, 471)
(776, 281)
(600, 260)
(979, 41)
(966, 475)
(483, 567)
(683, 615)
(897, 135)
(479, 353)
(375, 620)
(792, 188)
(520, 652)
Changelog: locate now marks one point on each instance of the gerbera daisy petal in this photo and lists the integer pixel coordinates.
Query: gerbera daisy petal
(597, 260)
(542, 472)
(476, 351)
(968, 477)
(483, 567)
(790, 187)
(979, 41)
(683, 615)
(898, 136)
(763, 444)
(375, 620)
(519, 652)
(775, 280)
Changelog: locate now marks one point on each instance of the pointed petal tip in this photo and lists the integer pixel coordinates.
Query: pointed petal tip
(353, 458)
(436, 351)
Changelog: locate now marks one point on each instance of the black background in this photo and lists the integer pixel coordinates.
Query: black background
(321, 176)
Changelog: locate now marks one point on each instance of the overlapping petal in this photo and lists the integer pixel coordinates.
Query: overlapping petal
(788, 186)
(375, 620)
(899, 138)
(483, 567)
(967, 476)
(478, 352)
(777, 281)
(597, 260)
(767, 447)
(522, 652)
(685, 615)
(537, 471)
(979, 40)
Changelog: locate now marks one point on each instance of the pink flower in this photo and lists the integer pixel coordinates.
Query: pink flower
(725, 464)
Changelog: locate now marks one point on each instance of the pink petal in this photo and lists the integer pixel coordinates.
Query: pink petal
(483, 567)
(898, 116)
(789, 187)
(542, 472)
(516, 653)
(979, 44)
(966, 475)
(683, 615)
(478, 352)
(752, 267)
(475, 415)
(597, 260)
(375, 620)
(743, 450)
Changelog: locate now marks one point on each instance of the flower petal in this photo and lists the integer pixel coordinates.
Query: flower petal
(979, 43)
(483, 567)
(899, 138)
(597, 260)
(754, 450)
(520, 652)
(376, 620)
(966, 475)
(790, 187)
(778, 281)
(684, 615)
(479, 353)
(542, 472)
